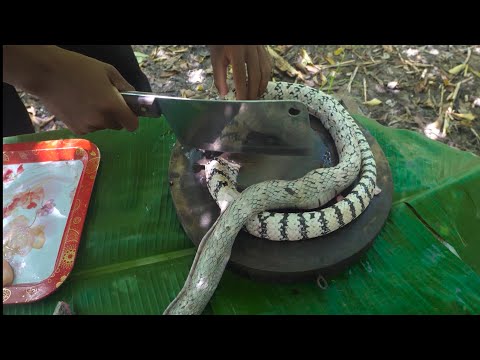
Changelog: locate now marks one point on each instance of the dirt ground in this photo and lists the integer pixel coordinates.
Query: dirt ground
(430, 89)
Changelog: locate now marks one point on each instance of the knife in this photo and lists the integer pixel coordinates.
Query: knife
(276, 127)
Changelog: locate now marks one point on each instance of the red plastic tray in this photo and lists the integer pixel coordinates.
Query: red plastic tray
(46, 191)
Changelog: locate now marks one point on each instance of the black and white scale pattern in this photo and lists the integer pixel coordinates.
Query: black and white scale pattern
(309, 192)
(317, 187)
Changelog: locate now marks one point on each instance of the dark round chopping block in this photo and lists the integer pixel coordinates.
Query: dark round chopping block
(280, 261)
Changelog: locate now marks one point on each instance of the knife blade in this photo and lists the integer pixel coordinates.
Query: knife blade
(278, 127)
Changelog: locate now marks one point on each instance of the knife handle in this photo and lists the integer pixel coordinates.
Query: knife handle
(142, 103)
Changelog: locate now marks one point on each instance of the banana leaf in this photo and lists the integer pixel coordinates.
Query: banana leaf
(134, 256)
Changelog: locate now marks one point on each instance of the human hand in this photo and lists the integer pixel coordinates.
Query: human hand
(257, 61)
(83, 92)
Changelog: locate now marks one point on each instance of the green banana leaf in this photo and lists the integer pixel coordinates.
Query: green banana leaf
(134, 256)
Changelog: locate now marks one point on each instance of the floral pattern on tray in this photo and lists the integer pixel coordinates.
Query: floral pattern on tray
(46, 191)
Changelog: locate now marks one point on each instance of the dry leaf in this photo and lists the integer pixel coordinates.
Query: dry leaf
(320, 79)
(373, 102)
(283, 65)
(330, 60)
(282, 49)
(167, 74)
(429, 103)
(160, 58)
(457, 69)
(31, 110)
(392, 85)
(141, 57)
(306, 60)
(420, 87)
(388, 48)
(468, 117)
(339, 51)
(181, 50)
(186, 93)
(379, 89)
(312, 69)
(411, 52)
(446, 82)
(301, 67)
(433, 130)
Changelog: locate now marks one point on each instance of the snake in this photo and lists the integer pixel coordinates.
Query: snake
(250, 209)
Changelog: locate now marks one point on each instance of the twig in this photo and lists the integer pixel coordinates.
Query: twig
(469, 53)
(334, 75)
(365, 89)
(475, 133)
(455, 92)
(446, 121)
(440, 108)
(414, 64)
(368, 64)
(374, 77)
(349, 86)
(283, 65)
(438, 124)
(394, 122)
(423, 74)
(359, 56)
(432, 99)
(453, 95)
(346, 63)
(465, 80)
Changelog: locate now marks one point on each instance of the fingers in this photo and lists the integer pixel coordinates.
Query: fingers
(254, 74)
(114, 114)
(120, 115)
(265, 69)
(259, 69)
(253, 60)
(220, 75)
(123, 115)
(239, 75)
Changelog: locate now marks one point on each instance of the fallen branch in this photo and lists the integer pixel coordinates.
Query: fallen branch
(475, 133)
(349, 86)
(284, 65)
(349, 63)
(469, 53)
(365, 89)
(440, 108)
(453, 95)
(415, 64)
(345, 63)
(446, 121)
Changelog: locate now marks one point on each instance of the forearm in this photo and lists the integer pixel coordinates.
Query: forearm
(28, 67)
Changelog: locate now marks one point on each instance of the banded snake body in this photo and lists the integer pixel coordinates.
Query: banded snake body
(249, 209)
